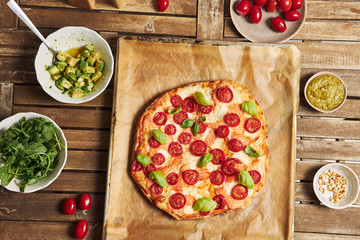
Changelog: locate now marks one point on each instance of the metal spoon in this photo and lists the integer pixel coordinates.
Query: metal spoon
(20, 13)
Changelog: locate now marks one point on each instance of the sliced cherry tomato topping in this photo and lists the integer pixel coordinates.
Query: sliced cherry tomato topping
(175, 149)
(172, 178)
(224, 94)
(255, 14)
(136, 167)
(231, 167)
(204, 213)
(206, 109)
(232, 119)
(239, 192)
(255, 175)
(292, 15)
(156, 189)
(198, 148)
(160, 118)
(177, 201)
(180, 117)
(220, 200)
(252, 125)
(69, 206)
(222, 131)
(190, 177)
(272, 5)
(185, 138)
(158, 159)
(202, 127)
(149, 168)
(154, 143)
(235, 145)
(285, 5)
(176, 101)
(189, 104)
(296, 4)
(217, 177)
(243, 7)
(170, 129)
(218, 156)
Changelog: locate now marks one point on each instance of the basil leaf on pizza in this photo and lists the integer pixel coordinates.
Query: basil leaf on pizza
(195, 129)
(202, 119)
(205, 204)
(250, 108)
(159, 136)
(174, 110)
(246, 179)
(187, 123)
(159, 178)
(201, 99)
(143, 159)
(205, 159)
(251, 152)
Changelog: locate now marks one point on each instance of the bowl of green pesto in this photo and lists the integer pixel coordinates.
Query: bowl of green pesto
(33, 152)
(325, 91)
(80, 70)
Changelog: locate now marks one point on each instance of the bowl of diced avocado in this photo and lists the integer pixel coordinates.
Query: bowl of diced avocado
(80, 70)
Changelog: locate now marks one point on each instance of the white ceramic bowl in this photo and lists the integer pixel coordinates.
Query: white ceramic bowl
(62, 40)
(51, 176)
(353, 187)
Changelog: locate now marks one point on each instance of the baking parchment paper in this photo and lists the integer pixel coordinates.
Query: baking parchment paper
(145, 70)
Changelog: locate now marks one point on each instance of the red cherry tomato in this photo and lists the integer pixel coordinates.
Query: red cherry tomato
(243, 7)
(272, 5)
(255, 14)
(85, 201)
(81, 229)
(292, 15)
(278, 24)
(162, 5)
(260, 3)
(285, 5)
(69, 206)
(296, 4)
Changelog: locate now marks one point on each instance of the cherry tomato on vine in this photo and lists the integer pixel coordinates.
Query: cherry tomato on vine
(272, 5)
(296, 4)
(255, 14)
(85, 201)
(278, 24)
(69, 206)
(285, 5)
(162, 5)
(243, 7)
(260, 3)
(81, 229)
(292, 15)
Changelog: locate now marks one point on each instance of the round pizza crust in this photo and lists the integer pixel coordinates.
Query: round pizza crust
(219, 176)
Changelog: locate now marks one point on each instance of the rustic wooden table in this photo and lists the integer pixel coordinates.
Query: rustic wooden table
(329, 40)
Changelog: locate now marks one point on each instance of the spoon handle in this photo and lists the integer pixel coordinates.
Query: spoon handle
(20, 13)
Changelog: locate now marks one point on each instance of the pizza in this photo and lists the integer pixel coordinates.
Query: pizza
(201, 150)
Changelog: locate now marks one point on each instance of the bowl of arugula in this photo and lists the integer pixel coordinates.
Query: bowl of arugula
(33, 152)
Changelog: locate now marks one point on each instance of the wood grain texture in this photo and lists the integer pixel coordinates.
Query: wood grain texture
(323, 236)
(87, 139)
(6, 99)
(10, 70)
(86, 160)
(210, 19)
(116, 22)
(7, 18)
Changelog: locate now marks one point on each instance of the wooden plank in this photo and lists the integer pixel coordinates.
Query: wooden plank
(316, 127)
(30, 95)
(7, 18)
(32, 230)
(15, 206)
(87, 139)
(72, 117)
(17, 70)
(86, 160)
(129, 23)
(323, 236)
(210, 19)
(306, 170)
(316, 218)
(78, 182)
(176, 7)
(330, 150)
(6, 99)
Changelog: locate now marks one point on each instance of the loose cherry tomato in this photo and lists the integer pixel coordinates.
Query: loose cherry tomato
(285, 5)
(255, 14)
(85, 201)
(260, 3)
(81, 229)
(243, 7)
(162, 5)
(272, 5)
(296, 4)
(278, 24)
(292, 15)
(69, 206)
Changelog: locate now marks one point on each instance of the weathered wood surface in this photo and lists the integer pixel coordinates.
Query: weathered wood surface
(210, 19)
(6, 99)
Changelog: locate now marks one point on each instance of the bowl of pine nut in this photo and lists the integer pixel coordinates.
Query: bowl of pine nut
(336, 185)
